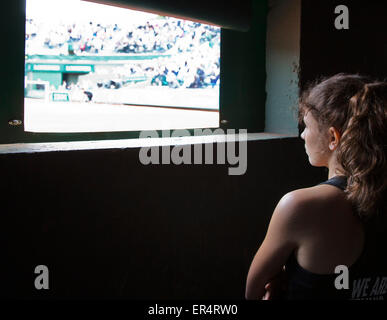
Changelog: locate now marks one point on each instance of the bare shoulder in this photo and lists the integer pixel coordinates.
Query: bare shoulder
(313, 201)
(310, 213)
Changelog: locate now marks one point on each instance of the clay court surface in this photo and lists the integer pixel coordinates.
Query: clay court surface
(50, 116)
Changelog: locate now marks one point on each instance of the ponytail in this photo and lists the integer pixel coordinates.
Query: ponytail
(362, 151)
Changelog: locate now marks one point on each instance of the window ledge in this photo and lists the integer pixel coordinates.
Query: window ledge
(132, 143)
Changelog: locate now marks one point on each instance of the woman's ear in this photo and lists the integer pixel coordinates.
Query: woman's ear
(334, 138)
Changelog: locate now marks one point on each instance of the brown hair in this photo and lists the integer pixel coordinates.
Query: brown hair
(357, 107)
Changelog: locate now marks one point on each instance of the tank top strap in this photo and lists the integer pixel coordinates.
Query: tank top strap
(337, 181)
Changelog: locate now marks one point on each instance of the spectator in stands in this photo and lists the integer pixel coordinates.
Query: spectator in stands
(195, 46)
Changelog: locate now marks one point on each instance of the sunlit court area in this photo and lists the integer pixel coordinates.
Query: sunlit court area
(82, 116)
(91, 67)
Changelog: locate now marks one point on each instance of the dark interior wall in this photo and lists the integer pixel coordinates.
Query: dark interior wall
(360, 49)
(242, 77)
(108, 226)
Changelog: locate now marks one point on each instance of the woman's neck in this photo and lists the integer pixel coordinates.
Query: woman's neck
(334, 168)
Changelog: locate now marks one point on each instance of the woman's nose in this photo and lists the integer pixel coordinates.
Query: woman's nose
(302, 135)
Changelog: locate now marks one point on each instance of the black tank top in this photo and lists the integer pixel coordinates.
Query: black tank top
(366, 279)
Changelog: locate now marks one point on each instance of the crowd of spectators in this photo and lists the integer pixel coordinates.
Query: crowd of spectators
(193, 48)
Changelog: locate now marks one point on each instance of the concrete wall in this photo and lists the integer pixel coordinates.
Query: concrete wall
(282, 63)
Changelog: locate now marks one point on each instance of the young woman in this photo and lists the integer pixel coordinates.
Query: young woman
(317, 244)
